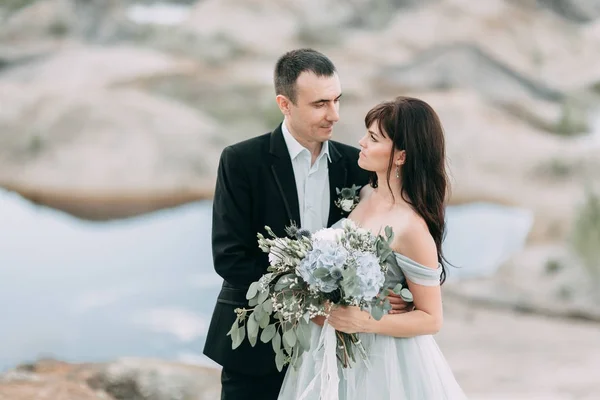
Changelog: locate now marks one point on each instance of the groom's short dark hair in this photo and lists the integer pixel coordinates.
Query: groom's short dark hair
(293, 63)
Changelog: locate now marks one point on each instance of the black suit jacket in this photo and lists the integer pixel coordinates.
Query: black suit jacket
(256, 187)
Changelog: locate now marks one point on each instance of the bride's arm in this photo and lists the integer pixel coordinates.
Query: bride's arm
(427, 318)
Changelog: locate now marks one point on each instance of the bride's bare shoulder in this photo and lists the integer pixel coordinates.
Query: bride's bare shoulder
(412, 239)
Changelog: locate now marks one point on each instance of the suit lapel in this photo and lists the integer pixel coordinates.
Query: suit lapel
(337, 180)
(283, 174)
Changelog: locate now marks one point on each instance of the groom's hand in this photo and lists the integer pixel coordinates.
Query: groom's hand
(399, 306)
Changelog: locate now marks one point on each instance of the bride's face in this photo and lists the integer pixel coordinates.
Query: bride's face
(375, 150)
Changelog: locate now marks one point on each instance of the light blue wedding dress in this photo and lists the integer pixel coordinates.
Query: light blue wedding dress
(397, 368)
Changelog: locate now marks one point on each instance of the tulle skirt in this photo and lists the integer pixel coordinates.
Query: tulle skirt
(397, 368)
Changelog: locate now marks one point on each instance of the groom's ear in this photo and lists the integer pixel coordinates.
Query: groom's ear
(283, 103)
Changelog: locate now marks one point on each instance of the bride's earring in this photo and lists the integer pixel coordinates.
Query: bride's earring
(398, 171)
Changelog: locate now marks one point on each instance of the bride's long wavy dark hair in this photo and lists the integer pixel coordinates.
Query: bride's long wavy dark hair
(414, 126)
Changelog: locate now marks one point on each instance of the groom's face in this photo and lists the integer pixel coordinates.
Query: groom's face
(317, 107)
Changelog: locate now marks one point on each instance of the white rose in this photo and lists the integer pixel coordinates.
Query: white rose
(346, 205)
(331, 234)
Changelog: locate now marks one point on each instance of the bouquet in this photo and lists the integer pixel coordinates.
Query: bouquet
(306, 275)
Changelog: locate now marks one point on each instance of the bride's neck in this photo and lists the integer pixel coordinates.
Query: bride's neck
(389, 194)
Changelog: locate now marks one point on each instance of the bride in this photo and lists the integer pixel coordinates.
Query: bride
(404, 150)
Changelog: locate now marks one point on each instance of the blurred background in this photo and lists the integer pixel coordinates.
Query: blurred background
(113, 114)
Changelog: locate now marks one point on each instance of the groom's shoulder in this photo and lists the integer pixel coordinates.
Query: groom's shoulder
(350, 154)
(251, 145)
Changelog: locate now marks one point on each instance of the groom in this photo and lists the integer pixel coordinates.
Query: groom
(286, 176)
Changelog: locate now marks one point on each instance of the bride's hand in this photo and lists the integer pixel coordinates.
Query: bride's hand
(319, 319)
(349, 319)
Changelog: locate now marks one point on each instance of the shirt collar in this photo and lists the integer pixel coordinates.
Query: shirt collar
(295, 148)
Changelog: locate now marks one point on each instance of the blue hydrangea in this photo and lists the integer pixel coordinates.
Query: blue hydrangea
(324, 254)
(369, 275)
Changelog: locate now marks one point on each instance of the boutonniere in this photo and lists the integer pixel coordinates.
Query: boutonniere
(347, 198)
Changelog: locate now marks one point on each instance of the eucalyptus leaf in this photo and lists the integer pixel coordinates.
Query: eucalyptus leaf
(268, 306)
(258, 313)
(296, 352)
(276, 342)
(320, 273)
(268, 333)
(253, 301)
(280, 360)
(264, 320)
(262, 296)
(234, 326)
(397, 289)
(284, 282)
(406, 295)
(387, 306)
(348, 273)
(303, 334)
(385, 254)
(289, 337)
(238, 337)
(252, 290)
(388, 232)
(287, 347)
(252, 331)
(242, 334)
(377, 312)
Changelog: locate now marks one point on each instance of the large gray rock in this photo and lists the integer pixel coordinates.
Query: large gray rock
(51, 380)
(124, 379)
(466, 66)
(104, 141)
(528, 40)
(142, 379)
(38, 20)
(91, 20)
(576, 10)
(77, 67)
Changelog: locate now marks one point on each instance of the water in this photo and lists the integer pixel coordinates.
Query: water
(86, 291)
(83, 290)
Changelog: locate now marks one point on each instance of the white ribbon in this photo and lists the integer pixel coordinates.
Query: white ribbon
(329, 369)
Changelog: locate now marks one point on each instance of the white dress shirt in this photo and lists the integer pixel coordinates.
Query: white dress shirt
(312, 182)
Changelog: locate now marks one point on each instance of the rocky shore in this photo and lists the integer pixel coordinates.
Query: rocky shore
(495, 355)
